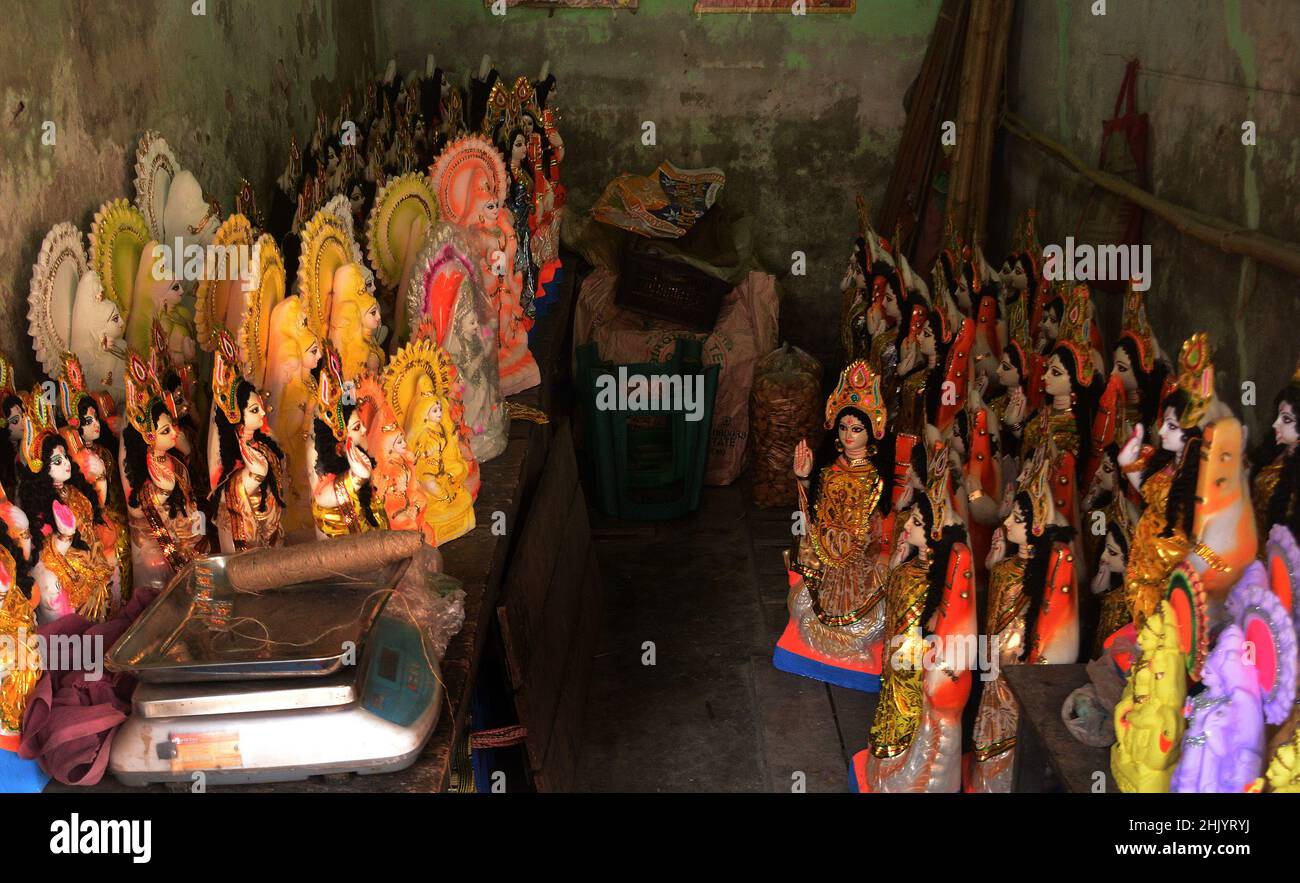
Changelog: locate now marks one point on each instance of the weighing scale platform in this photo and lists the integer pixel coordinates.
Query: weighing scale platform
(354, 693)
(372, 718)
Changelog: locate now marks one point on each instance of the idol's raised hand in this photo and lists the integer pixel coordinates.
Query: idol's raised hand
(1133, 447)
(803, 460)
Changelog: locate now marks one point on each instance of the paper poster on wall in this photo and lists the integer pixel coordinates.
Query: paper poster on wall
(786, 6)
(569, 4)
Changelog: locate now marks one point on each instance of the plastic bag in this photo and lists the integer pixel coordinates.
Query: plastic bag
(431, 600)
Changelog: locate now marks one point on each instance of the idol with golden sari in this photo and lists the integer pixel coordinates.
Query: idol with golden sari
(916, 736)
(62, 503)
(246, 464)
(837, 617)
(167, 526)
(343, 500)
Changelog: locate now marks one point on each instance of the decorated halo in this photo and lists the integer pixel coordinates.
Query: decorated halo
(419, 357)
(442, 246)
(326, 246)
(246, 203)
(155, 167)
(1270, 634)
(7, 379)
(60, 265)
(507, 104)
(1186, 597)
(118, 237)
(453, 176)
(341, 207)
(213, 297)
(1283, 557)
(401, 202)
(1196, 378)
(267, 291)
(142, 390)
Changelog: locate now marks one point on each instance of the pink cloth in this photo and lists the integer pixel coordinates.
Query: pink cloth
(69, 723)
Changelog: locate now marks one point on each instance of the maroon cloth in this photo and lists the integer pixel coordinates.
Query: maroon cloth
(69, 723)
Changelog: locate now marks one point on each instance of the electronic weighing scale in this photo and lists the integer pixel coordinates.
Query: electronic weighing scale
(346, 687)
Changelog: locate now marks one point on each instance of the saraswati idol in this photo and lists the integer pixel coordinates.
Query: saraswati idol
(504, 124)
(354, 319)
(247, 466)
(1072, 390)
(1193, 487)
(930, 621)
(837, 616)
(546, 153)
(165, 520)
(446, 296)
(293, 357)
(1033, 614)
(73, 570)
(343, 499)
(90, 442)
(1275, 471)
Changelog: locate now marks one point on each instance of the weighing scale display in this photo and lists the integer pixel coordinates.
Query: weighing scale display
(399, 684)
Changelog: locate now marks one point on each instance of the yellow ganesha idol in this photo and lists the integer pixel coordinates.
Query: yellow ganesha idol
(1149, 720)
(419, 384)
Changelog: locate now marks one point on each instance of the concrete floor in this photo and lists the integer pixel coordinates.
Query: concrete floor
(711, 714)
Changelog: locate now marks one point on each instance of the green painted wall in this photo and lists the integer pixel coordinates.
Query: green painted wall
(801, 112)
(224, 88)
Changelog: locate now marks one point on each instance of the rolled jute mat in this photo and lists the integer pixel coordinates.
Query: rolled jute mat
(360, 555)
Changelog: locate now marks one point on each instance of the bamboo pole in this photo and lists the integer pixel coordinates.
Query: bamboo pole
(963, 116)
(916, 144)
(989, 118)
(945, 105)
(972, 90)
(1226, 235)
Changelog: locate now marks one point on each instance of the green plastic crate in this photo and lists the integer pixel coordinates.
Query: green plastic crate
(649, 462)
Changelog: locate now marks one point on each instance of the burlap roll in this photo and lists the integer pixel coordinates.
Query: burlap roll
(785, 407)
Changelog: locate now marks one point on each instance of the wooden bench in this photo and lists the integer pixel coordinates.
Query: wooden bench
(544, 579)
